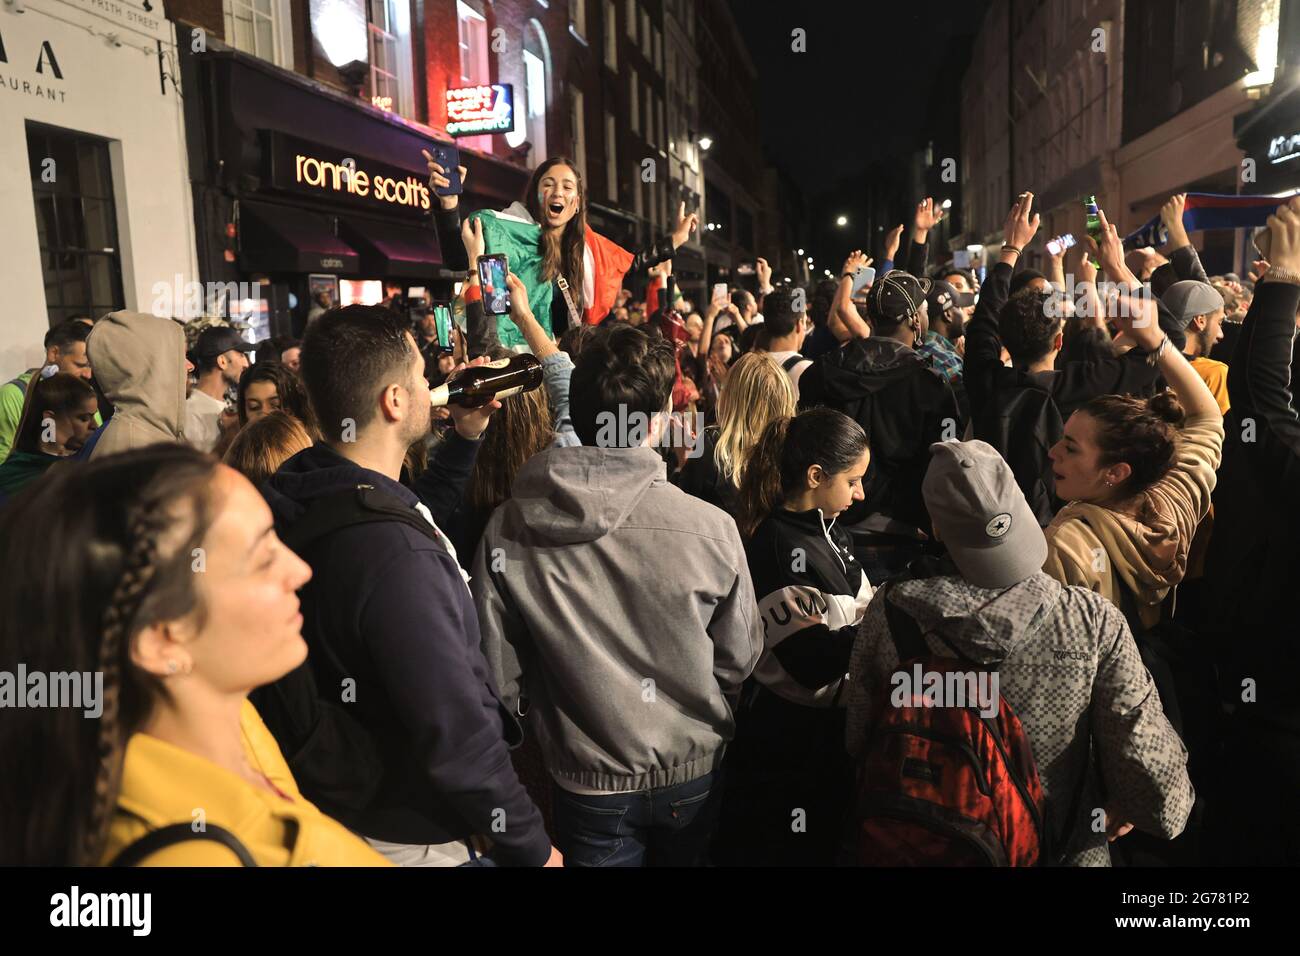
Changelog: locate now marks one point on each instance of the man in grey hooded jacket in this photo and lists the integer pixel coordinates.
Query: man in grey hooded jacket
(139, 362)
(618, 616)
(1066, 661)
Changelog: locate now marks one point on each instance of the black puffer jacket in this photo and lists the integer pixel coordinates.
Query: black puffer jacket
(903, 405)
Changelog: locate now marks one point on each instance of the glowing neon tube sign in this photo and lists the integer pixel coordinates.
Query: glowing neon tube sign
(474, 110)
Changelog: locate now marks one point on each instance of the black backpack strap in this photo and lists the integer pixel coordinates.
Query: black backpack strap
(175, 833)
(364, 504)
(792, 361)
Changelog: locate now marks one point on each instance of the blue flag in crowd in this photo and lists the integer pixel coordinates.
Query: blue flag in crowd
(1208, 211)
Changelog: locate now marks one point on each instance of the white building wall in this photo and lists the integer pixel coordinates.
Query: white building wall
(106, 90)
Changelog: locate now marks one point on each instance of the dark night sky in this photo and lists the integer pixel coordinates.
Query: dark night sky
(861, 89)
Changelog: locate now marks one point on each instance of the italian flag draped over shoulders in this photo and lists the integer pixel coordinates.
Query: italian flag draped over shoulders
(513, 232)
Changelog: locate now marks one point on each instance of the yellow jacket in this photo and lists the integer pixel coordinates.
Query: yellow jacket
(163, 784)
(1144, 544)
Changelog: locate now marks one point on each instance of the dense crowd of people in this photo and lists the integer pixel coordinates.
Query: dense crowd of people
(942, 568)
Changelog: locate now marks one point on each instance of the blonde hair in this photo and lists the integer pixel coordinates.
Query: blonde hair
(756, 393)
(261, 448)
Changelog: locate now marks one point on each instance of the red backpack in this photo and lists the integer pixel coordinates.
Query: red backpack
(945, 786)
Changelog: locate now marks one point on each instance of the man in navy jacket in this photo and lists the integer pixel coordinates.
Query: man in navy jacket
(393, 724)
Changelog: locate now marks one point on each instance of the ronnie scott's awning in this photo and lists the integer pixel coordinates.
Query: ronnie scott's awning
(393, 249)
(276, 238)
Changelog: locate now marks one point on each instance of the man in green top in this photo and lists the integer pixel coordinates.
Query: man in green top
(65, 348)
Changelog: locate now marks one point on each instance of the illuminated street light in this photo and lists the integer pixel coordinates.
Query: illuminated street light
(947, 204)
(799, 252)
(842, 221)
(706, 142)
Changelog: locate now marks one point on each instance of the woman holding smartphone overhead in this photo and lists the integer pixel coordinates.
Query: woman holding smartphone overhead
(572, 273)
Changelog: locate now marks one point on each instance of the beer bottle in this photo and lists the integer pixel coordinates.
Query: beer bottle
(1093, 224)
(477, 385)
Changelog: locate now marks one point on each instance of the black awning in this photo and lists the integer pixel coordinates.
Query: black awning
(389, 249)
(274, 238)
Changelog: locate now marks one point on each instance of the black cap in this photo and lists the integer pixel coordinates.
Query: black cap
(943, 296)
(896, 296)
(219, 339)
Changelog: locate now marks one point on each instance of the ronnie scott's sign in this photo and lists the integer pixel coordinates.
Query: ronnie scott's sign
(301, 167)
(474, 110)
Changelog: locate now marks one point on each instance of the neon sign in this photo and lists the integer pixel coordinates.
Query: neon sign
(348, 178)
(1284, 148)
(473, 110)
(385, 103)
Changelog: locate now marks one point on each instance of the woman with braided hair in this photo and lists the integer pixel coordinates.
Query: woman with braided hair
(159, 571)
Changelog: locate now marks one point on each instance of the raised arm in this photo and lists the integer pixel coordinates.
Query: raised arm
(1260, 376)
(1182, 254)
(664, 247)
(446, 215)
(845, 322)
(480, 328)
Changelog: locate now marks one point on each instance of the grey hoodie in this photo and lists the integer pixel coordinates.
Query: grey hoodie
(621, 608)
(1071, 672)
(139, 362)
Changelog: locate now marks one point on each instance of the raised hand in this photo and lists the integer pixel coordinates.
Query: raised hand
(686, 224)
(1019, 228)
(1110, 252)
(439, 181)
(857, 260)
(1284, 227)
(1171, 215)
(1087, 272)
(891, 242)
(928, 215)
(764, 274)
(471, 233)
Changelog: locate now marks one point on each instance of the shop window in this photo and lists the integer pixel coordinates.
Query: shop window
(474, 68)
(76, 223)
(260, 27)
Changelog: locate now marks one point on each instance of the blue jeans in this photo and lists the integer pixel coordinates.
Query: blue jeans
(670, 826)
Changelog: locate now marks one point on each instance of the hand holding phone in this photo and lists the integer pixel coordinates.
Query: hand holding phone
(720, 294)
(492, 277)
(862, 277)
(445, 179)
(442, 322)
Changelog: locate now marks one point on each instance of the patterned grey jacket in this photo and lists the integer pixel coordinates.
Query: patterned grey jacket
(1070, 670)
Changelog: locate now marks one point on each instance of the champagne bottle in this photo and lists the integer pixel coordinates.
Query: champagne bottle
(477, 385)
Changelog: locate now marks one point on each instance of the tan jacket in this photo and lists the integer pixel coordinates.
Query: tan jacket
(139, 362)
(1099, 548)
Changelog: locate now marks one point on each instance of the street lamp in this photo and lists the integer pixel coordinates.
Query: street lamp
(947, 204)
(842, 221)
(799, 252)
(706, 142)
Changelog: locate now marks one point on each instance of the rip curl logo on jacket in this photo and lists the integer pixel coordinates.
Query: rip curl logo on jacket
(998, 525)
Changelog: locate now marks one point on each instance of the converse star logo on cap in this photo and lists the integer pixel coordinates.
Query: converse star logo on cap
(998, 525)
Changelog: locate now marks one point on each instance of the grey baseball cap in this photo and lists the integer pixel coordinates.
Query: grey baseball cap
(981, 514)
(1189, 298)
